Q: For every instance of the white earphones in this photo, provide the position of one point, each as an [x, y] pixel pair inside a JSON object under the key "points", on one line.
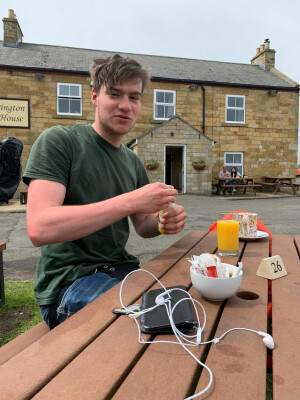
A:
{"points": [[184, 340], [267, 339], [160, 298]]}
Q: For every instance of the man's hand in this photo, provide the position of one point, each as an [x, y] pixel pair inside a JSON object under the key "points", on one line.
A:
{"points": [[152, 198], [174, 220]]}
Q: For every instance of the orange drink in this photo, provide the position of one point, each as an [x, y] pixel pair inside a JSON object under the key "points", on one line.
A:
{"points": [[228, 235]]}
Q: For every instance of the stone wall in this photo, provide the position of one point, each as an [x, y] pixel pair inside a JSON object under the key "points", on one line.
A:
{"points": [[43, 105], [198, 147]]}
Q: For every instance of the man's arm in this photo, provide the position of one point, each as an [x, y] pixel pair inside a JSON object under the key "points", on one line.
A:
{"points": [[49, 221]]}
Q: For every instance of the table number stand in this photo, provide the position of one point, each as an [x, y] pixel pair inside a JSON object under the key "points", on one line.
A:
{"points": [[271, 268]]}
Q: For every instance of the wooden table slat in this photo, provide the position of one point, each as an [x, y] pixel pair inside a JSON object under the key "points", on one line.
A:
{"points": [[240, 358], [286, 321]]}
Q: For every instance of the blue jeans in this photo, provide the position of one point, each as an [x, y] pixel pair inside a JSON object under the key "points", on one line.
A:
{"points": [[76, 296]]}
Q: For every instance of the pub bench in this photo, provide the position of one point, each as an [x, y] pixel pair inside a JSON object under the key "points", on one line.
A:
{"points": [[23, 197], [2, 293], [296, 186], [253, 187]]}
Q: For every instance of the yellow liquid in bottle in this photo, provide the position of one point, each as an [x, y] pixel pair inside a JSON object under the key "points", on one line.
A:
{"points": [[160, 214]]}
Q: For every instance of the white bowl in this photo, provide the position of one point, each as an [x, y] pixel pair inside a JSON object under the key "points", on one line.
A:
{"points": [[216, 289]]}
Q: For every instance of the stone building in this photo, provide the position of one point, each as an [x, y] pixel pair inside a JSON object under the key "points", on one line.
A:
{"points": [[244, 115]]}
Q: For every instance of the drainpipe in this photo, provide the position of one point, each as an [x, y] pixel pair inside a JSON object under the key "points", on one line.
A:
{"points": [[203, 109]]}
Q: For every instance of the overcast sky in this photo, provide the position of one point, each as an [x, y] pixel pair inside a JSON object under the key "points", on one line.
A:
{"points": [[213, 30]]}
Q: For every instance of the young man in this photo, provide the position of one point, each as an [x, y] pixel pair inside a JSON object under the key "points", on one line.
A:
{"points": [[83, 186]]}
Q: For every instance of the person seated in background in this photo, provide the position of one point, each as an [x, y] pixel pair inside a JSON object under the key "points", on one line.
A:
{"points": [[235, 174], [223, 174]]}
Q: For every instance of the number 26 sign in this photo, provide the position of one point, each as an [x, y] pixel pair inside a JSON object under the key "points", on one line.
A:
{"points": [[271, 268]]}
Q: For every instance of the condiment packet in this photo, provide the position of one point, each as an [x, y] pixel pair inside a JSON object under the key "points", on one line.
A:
{"points": [[238, 270], [212, 271], [206, 264]]}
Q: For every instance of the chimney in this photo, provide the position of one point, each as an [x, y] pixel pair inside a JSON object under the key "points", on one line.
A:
{"points": [[12, 31], [264, 55]]}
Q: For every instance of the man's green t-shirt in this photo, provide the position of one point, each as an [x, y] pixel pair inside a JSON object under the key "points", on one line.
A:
{"points": [[92, 170]]}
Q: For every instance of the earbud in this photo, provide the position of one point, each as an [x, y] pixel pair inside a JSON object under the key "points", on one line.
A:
{"points": [[160, 298], [267, 339]]}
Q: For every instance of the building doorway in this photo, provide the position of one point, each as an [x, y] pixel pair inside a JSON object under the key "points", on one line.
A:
{"points": [[175, 166]]}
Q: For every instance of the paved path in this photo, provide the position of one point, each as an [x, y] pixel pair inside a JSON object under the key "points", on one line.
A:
{"points": [[281, 214]]}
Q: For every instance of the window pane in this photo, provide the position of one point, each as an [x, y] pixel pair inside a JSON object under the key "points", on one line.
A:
{"points": [[169, 111], [159, 112], [229, 159], [168, 97], [230, 115], [239, 101], [74, 91], [231, 101], [239, 115], [239, 169], [63, 105], [160, 98], [237, 158], [63, 90], [75, 106]]}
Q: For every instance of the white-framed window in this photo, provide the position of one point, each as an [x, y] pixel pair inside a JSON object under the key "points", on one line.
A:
{"points": [[235, 109], [234, 159], [69, 100], [164, 104]]}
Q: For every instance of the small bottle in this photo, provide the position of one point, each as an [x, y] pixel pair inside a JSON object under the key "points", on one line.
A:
{"points": [[160, 214]]}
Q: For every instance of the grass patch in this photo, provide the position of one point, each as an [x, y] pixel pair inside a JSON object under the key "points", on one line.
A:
{"points": [[20, 311]]}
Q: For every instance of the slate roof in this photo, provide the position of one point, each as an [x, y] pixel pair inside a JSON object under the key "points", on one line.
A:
{"points": [[75, 60]]}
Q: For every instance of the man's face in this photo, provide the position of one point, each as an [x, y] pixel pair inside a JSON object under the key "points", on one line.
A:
{"points": [[117, 109], [224, 169]]}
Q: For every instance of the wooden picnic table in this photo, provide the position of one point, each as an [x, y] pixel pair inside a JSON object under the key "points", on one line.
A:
{"points": [[246, 182], [96, 355], [279, 182]]}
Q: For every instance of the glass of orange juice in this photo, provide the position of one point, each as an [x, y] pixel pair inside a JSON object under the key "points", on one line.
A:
{"points": [[228, 233]]}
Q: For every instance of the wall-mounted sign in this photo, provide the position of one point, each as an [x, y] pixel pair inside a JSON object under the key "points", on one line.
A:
{"points": [[14, 113]]}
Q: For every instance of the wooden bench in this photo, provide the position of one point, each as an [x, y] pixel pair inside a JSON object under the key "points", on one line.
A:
{"points": [[254, 187], [23, 197], [25, 339], [279, 183], [296, 186], [267, 183], [2, 292]]}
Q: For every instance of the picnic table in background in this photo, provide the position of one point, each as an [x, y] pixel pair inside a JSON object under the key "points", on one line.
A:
{"points": [[246, 182], [96, 354], [279, 182]]}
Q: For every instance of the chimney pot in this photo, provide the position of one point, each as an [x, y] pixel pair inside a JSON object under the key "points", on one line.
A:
{"points": [[262, 48], [267, 44], [11, 14]]}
